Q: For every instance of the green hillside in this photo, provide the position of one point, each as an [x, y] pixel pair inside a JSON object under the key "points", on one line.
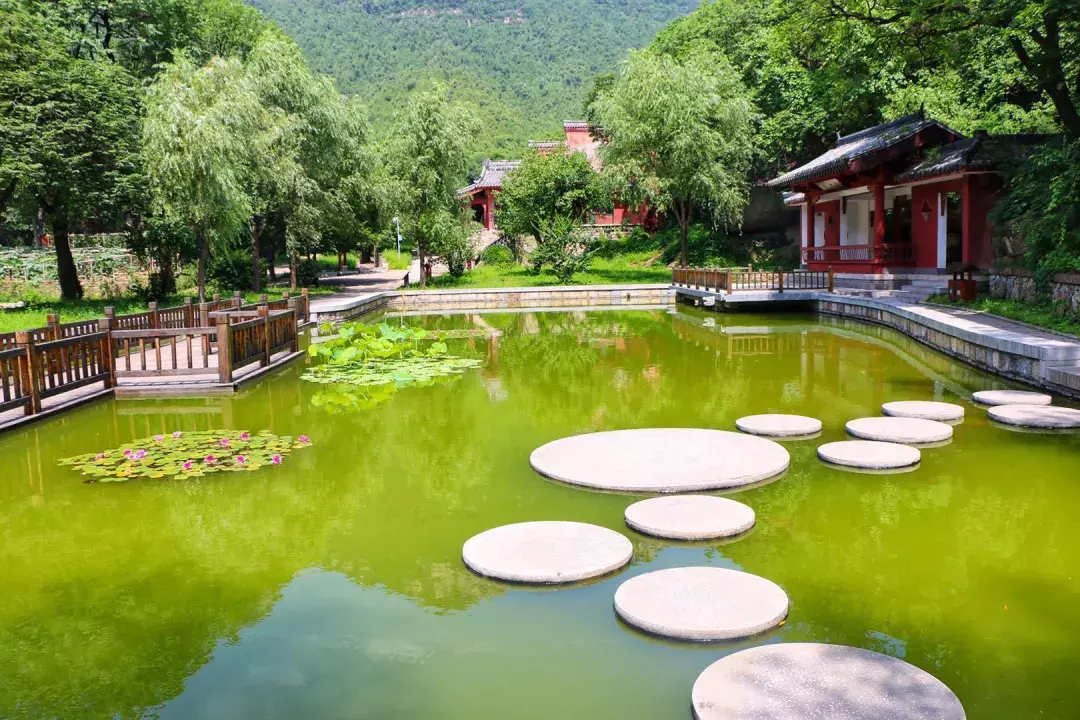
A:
{"points": [[525, 64]]}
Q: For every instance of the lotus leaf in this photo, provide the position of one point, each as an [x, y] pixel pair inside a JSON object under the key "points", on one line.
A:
{"points": [[186, 454]]}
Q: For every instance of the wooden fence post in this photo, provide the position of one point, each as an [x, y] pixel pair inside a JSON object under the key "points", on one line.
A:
{"points": [[204, 321], [30, 379], [52, 320], [306, 304], [262, 299], [295, 309], [830, 279], [216, 297], [155, 317], [224, 349], [105, 326], [727, 282], [189, 313], [264, 313], [238, 299]]}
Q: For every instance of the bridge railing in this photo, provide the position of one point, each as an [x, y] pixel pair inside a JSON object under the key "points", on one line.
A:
{"points": [[728, 280]]}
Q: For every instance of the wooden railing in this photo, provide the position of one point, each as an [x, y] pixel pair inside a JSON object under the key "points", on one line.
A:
{"points": [[42, 362], [880, 254], [728, 280]]}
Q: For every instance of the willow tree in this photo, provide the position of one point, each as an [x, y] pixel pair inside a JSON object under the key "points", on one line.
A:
{"points": [[313, 141], [679, 135], [197, 146], [430, 155]]}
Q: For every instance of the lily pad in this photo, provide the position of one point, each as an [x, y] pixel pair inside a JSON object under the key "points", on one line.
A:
{"points": [[186, 454]]}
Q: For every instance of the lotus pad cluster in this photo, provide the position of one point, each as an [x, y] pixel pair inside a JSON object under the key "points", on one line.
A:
{"points": [[183, 454]]}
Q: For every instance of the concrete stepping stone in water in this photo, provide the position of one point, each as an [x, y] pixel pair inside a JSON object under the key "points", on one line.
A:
{"points": [[661, 460], [806, 681], [869, 454], [701, 603], [1011, 397], [779, 425], [899, 430], [547, 552], [924, 410], [1036, 416], [690, 517]]}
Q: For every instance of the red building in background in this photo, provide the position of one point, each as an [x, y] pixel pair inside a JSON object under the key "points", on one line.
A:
{"points": [[909, 195], [482, 194]]}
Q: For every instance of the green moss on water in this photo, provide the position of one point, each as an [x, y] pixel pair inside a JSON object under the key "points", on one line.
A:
{"points": [[332, 585]]}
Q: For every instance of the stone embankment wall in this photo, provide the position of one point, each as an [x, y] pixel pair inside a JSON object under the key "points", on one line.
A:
{"points": [[1028, 364], [1019, 284], [443, 301]]}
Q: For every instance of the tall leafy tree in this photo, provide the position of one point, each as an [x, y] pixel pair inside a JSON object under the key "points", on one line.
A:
{"points": [[313, 140], [197, 151], [680, 135], [430, 154], [548, 186], [69, 133]]}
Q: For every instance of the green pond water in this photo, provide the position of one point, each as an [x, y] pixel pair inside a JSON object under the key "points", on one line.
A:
{"points": [[332, 586]]}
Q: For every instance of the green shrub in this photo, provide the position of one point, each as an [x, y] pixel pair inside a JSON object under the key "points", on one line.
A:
{"points": [[497, 255], [231, 270], [563, 247], [307, 273]]}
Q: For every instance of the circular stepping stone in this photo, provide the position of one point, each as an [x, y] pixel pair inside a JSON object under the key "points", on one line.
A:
{"points": [[924, 410], [869, 455], [801, 681], [1011, 397], [546, 552], [899, 430], [701, 603], [776, 425], [1036, 416], [690, 517], [661, 460]]}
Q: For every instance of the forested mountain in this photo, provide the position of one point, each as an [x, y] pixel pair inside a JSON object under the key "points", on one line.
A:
{"points": [[526, 65]]}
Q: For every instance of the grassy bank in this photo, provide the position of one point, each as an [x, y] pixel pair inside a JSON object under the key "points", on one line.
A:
{"points": [[34, 314], [629, 268], [1039, 314]]}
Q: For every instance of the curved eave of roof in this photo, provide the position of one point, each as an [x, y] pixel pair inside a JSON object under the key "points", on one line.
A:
{"points": [[491, 176], [855, 146]]}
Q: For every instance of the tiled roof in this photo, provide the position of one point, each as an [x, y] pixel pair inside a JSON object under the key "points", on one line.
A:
{"points": [[491, 175], [851, 147], [978, 153], [575, 125], [546, 144], [794, 198]]}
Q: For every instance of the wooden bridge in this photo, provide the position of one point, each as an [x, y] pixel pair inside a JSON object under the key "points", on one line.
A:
{"points": [[194, 348], [730, 280]]}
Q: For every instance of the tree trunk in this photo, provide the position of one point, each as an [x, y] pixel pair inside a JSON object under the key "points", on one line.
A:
{"points": [[256, 254], [340, 262], [70, 287], [204, 252], [423, 263], [684, 222], [292, 271], [39, 225]]}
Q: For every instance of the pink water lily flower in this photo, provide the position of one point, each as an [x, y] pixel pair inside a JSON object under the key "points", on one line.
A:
{"points": [[244, 436], [99, 456], [177, 433], [240, 459], [159, 438], [127, 452], [275, 459], [209, 459], [225, 442], [187, 465], [139, 454], [304, 439]]}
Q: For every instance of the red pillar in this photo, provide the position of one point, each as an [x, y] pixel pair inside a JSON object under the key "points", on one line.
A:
{"points": [[966, 196], [879, 214], [810, 227], [491, 211]]}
